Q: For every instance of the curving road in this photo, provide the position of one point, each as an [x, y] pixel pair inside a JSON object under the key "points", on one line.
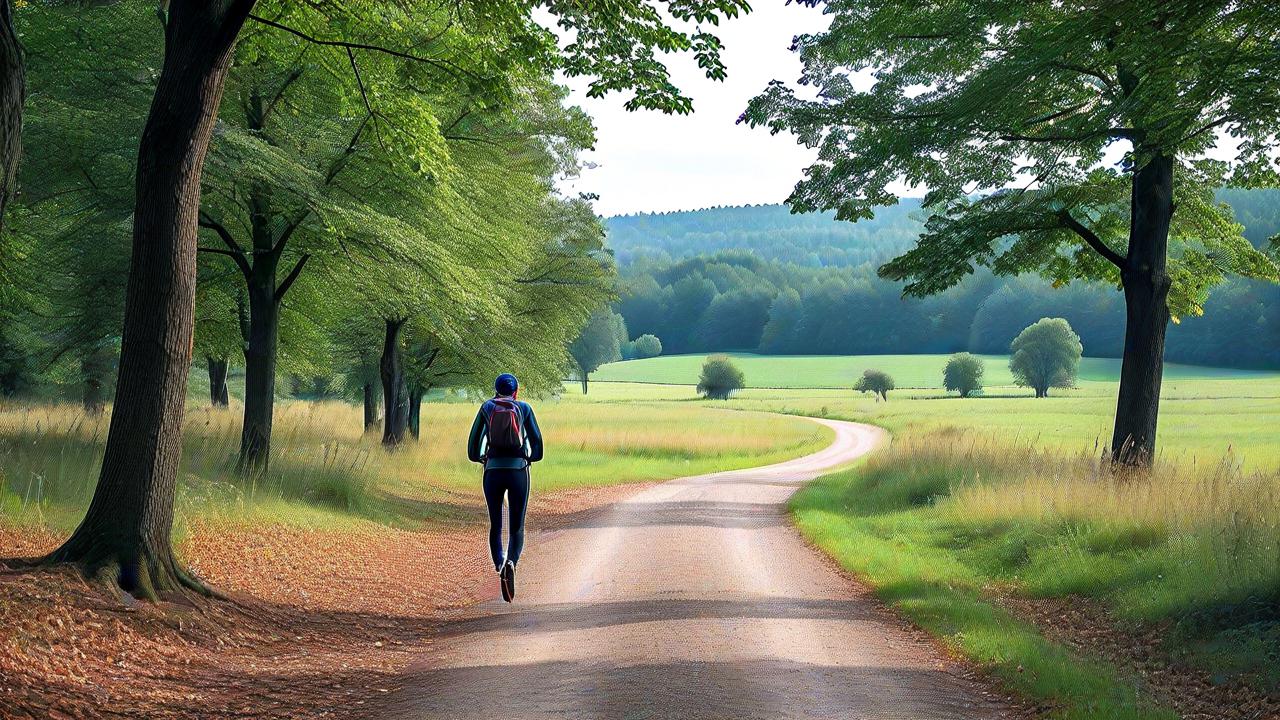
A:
{"points": [[692, 599]]}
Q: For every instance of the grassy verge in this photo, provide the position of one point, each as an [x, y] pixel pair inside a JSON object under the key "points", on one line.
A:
{"points": [[940, 523], [326, 472]]}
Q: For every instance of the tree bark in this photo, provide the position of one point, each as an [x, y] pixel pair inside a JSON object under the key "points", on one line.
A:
{"points": [[370, 407], [126, 533], [94, 369], [260, 365], [395, 400], [1146, 290], [218, 395], [416, 392], [13, 91], [582, 375]]}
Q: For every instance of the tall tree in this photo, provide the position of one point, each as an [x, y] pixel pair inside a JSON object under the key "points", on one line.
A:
{"points": [[12, 95], [127, 528], [129, 521], [1010, 113]]}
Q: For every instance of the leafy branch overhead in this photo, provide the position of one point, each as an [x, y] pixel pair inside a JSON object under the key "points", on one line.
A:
{"points": [[1024, 122]]}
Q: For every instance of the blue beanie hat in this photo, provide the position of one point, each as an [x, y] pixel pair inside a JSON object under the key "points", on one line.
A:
{"points": [[506, 384]]}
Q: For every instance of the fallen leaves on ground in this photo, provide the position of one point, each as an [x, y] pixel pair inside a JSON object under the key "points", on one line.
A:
{"points": [[315, 622]]}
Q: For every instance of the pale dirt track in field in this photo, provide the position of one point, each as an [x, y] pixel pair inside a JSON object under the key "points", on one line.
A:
{"points": [[692, 599]]}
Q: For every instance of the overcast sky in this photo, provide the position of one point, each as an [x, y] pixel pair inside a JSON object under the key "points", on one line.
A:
{"points": [[648, 161]]}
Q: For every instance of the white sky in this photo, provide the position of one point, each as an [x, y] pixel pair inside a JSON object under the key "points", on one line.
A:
{"points": [[648, 161]]}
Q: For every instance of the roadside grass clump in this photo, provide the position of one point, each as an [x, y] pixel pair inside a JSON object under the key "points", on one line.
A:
{"points": [[943, 523]]}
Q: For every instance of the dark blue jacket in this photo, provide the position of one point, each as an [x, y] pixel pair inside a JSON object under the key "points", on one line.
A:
{"points": [[477, 443]]}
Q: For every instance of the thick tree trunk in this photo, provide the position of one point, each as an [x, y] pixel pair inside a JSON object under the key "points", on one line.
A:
{"points": [[260, 367], [13, 88], [94, 368], [582, 375], [218, 394], [395, 400], [1146, 291], [126, 533], [370, 407]]}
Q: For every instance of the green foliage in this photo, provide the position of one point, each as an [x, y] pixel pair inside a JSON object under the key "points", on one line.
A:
{"points": [[1005, 113], [826, 307], [720, 378], [963, 374], [597, 343], [1046, 354], [878, 382], [646, 346]]}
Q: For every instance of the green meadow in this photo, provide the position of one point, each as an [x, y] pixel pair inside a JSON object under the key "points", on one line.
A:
{"points": [[840, 371]]}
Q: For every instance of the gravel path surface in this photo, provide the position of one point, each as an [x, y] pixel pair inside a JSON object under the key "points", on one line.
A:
{"points": [[692, 599]]}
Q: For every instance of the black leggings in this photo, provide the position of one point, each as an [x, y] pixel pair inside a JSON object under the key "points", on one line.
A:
{"points": [[514, 484]]}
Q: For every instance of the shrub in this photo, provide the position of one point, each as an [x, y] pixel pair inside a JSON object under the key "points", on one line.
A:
{"points": [[720, 378], [875, 381], [646, 346], [963, 374], [1046, 354]]}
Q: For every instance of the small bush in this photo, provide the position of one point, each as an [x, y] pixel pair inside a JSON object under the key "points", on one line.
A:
{"points": [[720, 378], [963, 374], [875, 381]]}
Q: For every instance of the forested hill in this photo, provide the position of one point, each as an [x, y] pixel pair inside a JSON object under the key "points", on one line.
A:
{"points": [[771, 232], [759, 278]]}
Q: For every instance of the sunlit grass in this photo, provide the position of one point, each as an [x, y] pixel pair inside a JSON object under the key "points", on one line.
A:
{"points": [[324, 467], [940, 518], [1201, 421], [841, 371]]}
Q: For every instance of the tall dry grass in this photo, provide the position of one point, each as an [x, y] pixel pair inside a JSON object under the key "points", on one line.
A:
{"points": [[50, 455], [1185, 537]]}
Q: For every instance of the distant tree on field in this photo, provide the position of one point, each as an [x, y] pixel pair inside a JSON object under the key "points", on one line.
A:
{"points": [[963, 374], [646, 346], [875, 381], [1046, 354], [597, 344], [720, 378]]}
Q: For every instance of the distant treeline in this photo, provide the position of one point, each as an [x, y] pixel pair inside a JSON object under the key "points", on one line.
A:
{"points": [[760, 278]]}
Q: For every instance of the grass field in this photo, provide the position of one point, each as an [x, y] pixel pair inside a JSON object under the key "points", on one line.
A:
{"points": [[841, 371], [324, 470], [1202, 421]]}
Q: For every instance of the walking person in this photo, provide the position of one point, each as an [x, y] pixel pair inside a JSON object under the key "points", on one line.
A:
{"points": [[506, 439]]}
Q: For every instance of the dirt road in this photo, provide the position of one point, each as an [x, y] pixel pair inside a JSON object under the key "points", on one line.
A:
{"points": [[692, 599]]}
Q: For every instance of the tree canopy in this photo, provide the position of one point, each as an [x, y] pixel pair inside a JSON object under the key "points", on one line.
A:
{"points": [[963, 374], [1046, 354]]}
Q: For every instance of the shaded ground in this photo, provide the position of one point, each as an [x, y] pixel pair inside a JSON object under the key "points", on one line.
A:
{"points": [[320, 621], [1086, 626]]}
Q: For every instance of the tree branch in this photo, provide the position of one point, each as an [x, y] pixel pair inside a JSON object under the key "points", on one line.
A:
{"points": [[293, 76], [448, 67], [1091, 239], [288, 280], [1118, 133], [234, 251]]}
